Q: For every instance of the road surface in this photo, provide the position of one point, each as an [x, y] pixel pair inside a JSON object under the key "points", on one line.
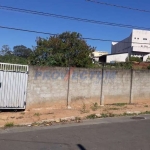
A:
{"points": [[101, 134]]}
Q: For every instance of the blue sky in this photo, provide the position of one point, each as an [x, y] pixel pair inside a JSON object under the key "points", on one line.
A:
{"points": [[75, 8]]}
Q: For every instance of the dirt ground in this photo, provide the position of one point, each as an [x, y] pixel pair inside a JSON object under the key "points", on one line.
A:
{"points": [[141, 65], [41, 114]]}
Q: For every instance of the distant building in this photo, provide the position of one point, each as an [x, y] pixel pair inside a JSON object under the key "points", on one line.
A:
{"points": [[120, 57], [138, 41], [137, 44], [97, 54]]}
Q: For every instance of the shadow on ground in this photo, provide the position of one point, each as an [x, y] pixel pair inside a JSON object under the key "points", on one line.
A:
{"points": [[80, 147]]}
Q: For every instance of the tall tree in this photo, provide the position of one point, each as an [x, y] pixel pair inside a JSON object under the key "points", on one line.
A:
{"points": [[22, 51], [5, 50], [66, 49], [8, 56]]}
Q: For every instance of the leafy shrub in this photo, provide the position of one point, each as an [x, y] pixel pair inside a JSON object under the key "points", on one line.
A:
{"points": [[148, 59], [132, 58], [148, 67], [9, 124], [94, 106], [92, 116], [37, 114], [84, 109], [119, 104]]}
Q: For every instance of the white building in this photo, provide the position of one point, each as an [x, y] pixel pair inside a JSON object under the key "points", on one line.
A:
{"points": [[120, 57], [137, 44], [97, 54], [138, 41]]}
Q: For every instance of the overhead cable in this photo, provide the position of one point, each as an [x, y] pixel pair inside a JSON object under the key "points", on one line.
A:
{"points": [[119, 6], [51, 34], [72, 18]]}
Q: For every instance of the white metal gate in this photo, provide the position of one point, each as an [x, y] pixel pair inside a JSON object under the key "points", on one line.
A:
{"points": [[13, 86]]}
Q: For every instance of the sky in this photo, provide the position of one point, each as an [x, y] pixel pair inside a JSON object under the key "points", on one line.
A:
{"points": [[72, 8]]}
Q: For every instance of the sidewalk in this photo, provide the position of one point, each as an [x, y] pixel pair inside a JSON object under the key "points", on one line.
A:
{"points": [[44, 114]]}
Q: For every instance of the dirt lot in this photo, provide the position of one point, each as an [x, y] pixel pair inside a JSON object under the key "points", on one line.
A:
{"points": [[47, 113]]}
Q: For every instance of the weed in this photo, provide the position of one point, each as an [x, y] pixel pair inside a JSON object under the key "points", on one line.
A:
{"points": [[94, 106], [9, 124], [20, 117], [146, 106], [23, 113], [92, 116], [111, 115], [148, 67], [37, 114], [104, 115], [125, 114], [119, 104], [83, 109], [128, 114], [113, 108], [35, 124], [77, 118], [147, 112], [50, 113]]}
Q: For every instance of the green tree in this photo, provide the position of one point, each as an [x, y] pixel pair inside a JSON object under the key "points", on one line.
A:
{"points": [[148, 59], [8, 56], [133, 58], [13, 59], [66, 49], [5, 50], [22, 51]]}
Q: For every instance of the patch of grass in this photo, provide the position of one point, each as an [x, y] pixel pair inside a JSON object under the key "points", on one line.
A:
{"points": [[23, 113], [20, 117], [113, 108], [9, 124], [77, 118], [94, 106], [37, 114], [50, 113], [92, 116], [146, 106], [111, 115], [146, 112], [104, 115], [128, 114], [148, 67], [119, 104], [84, 109], [35, 124]]}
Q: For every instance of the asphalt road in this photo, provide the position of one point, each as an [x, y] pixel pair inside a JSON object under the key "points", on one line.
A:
{"points": [[107, 134]]}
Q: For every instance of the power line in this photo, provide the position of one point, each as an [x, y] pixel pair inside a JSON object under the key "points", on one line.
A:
{"points": [[25, 30], [71, 18], [47, 33], [119, 6]]}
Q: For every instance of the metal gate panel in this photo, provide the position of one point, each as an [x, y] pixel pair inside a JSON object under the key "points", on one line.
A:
{"points": [[13, 86]]}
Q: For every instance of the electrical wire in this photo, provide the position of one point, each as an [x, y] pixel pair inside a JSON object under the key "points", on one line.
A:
{"points": [[119, 6], [72, 18], [51, 34]]}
